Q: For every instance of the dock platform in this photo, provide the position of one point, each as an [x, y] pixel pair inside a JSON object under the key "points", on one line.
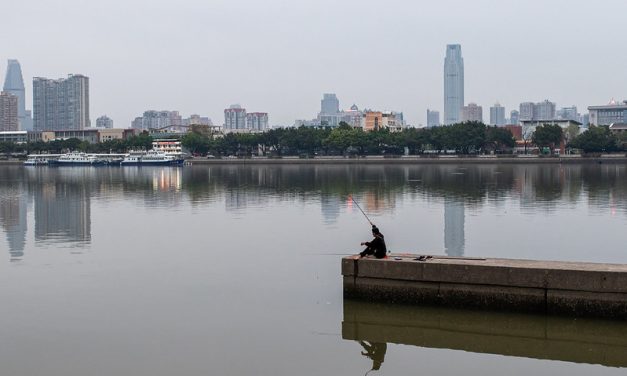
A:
{"points": [[552, 287]]}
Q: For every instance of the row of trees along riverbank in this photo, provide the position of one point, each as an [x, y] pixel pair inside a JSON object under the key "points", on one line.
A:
{"points": [[462, 138]]}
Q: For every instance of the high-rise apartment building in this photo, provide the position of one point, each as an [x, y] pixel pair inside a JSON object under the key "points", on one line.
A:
{"points": [[14, 84], [544, 110], [234, 118], [568, 113], [514, 117], [497, 115], [527, 111], [257, 121], [104, 122], [157, 119], [8, 112], [61, 104], [472, 112], [433, 118], [453, 83]]}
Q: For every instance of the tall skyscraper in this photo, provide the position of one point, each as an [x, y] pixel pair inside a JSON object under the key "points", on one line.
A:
{"points": [[472, 112], [514, 117], [8, 112], [234, 118], [497, 115], [433, 118], [329, 105], [453, 84], [61, 104], [14, 84]]}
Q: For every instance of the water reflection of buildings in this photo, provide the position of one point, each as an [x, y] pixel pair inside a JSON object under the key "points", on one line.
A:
{"points": [[62, 212], [330, 207], [13, 202], [454, 237]]}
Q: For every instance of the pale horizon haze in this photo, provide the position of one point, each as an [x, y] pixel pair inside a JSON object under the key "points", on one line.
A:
{"points": [[280, 56]]}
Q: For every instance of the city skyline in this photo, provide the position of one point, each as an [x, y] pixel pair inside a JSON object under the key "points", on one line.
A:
{"points": [[287, 82]]}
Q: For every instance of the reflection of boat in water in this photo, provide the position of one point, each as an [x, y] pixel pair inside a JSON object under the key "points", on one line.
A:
{"points": [[530, 336], [40, 159], [150, 158]]}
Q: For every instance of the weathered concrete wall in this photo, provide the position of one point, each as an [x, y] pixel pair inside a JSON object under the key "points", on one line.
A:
{"points": [[581, 289], [531, 336]]}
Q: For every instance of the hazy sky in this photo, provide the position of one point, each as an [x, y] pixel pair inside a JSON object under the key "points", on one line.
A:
{"points": [[279, 56]]}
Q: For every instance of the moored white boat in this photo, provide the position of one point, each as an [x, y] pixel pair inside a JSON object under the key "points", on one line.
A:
{"points": [[150, 157], [77, 159], [39, 159]]}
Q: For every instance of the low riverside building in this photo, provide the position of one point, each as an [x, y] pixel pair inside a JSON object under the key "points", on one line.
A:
{"points": [[18, 137], [115, 134], [611, 113], [90, 135], [618, 128], [169, 146], [526, 124]]}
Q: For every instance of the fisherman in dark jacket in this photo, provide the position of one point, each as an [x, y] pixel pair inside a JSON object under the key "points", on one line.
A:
{"points": [[376, 246]]}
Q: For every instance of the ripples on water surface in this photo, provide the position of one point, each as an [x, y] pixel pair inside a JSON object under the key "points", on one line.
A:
{"points": [[234, 270]]}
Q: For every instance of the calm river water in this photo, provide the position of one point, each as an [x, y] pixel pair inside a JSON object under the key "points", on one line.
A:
{"points": [[235, 270]]}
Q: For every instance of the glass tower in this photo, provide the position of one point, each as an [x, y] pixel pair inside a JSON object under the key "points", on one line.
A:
{"points": [[453, 83], [14, 84]]}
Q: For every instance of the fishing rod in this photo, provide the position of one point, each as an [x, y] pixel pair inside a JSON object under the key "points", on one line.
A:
{"points": [[362, 212]]}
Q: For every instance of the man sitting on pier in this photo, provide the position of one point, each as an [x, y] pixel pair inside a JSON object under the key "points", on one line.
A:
{"points": [[376, 246]]}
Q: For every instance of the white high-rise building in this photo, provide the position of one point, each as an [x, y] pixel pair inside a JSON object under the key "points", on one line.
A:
{"points": [[497, 115], [257, 121], [453, 84], [234, 118]]}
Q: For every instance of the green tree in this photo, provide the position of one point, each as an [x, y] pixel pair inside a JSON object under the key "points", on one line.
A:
{"points": [[196, 143], [596, 140], [547, 135], [498, 138]]}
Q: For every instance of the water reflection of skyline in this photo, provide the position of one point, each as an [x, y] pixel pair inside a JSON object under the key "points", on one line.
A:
{"points": [[62, 197]]}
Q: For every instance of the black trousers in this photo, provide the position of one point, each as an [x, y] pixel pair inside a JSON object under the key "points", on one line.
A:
{"points": [[372, 251]]}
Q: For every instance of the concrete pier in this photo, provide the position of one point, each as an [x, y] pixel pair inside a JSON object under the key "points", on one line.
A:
{"points": [[575, 340], [563, 288]]}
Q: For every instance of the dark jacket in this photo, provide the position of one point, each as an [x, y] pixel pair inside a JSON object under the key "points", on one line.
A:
{"points": [[378, 246]]}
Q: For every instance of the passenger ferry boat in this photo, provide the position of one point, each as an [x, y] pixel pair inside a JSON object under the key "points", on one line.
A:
{"points": [[40, 159], [77, 159], [150, 157]]}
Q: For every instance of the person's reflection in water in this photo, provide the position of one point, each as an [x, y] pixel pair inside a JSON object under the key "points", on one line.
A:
{"points": [[375, 351]]}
